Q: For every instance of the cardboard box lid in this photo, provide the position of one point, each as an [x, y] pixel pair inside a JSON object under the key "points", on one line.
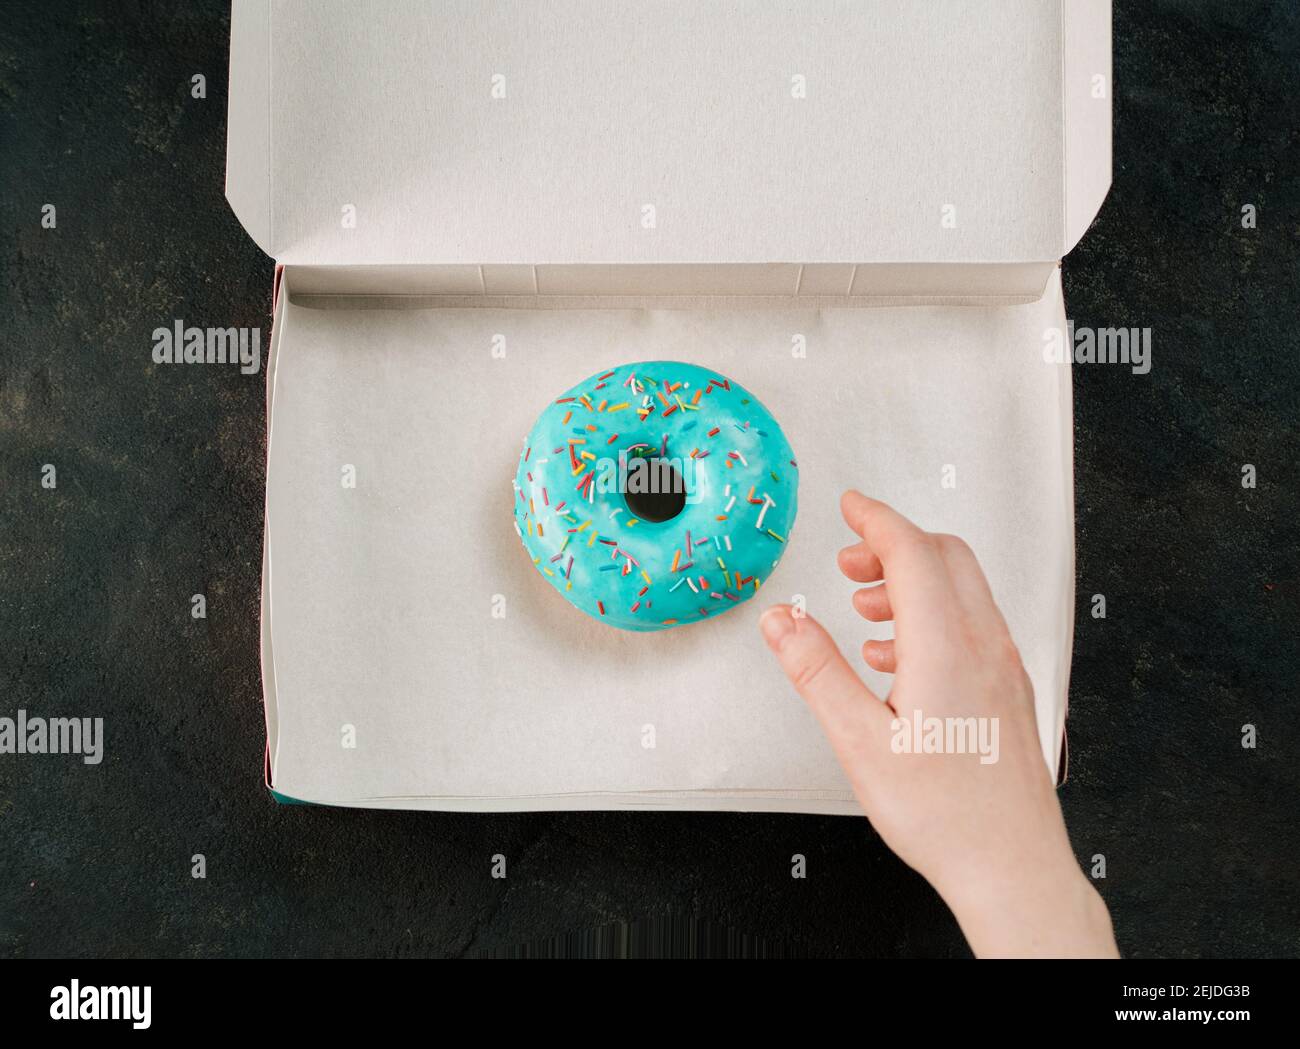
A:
{"points": [[464, 133]]}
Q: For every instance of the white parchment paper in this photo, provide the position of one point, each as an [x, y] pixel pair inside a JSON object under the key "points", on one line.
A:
{"points": [[381, 596]]}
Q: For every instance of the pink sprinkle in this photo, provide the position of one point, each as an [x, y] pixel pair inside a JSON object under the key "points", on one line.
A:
{"points": [[546, 501]]}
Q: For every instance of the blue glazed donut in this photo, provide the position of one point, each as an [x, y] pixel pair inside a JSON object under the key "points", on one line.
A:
{"points": [[655, 494]]}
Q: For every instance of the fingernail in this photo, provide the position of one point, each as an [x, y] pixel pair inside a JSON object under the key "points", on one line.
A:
{"points": [[776, 623]]}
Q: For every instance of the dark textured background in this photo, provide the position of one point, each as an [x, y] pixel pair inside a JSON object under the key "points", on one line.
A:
{"points": [[160, 496]]}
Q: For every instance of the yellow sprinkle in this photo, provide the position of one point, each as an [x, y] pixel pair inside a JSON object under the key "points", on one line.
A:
{"points": [[721, 564], [769, 532], [630, 521], [583, 527], [530, 527], [568, 585], [645, 577], [616, 407], [548, 572], [592, 539], [588, 455]]}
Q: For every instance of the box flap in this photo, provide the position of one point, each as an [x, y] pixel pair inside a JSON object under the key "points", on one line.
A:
{"points": [[1085, 96], [248, 121], [576, 132]]}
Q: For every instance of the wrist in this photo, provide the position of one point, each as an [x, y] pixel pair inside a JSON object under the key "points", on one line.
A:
{"points": [[1054, 914]]}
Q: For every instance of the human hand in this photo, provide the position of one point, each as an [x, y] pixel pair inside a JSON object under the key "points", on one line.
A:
{"points": [[989, 836]]}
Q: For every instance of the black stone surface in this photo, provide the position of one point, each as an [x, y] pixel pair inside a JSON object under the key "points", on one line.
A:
{"points": [[160, 484]]}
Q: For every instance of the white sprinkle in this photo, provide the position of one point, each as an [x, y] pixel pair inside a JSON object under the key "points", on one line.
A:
{"points": [[727, 538], [729, 505], [767, 502], [691, 584]]}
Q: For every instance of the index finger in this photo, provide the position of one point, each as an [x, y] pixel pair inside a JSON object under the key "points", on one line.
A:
{"points": [[919, 583]]}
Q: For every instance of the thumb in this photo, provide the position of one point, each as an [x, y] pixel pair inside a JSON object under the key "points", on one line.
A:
{"points": [[851, 715]]}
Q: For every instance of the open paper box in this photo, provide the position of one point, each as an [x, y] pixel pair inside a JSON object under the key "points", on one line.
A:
{"points": [[856, 210]]}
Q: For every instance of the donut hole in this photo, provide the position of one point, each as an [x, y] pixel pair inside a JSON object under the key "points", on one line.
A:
{"points": [[655, 490]]}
